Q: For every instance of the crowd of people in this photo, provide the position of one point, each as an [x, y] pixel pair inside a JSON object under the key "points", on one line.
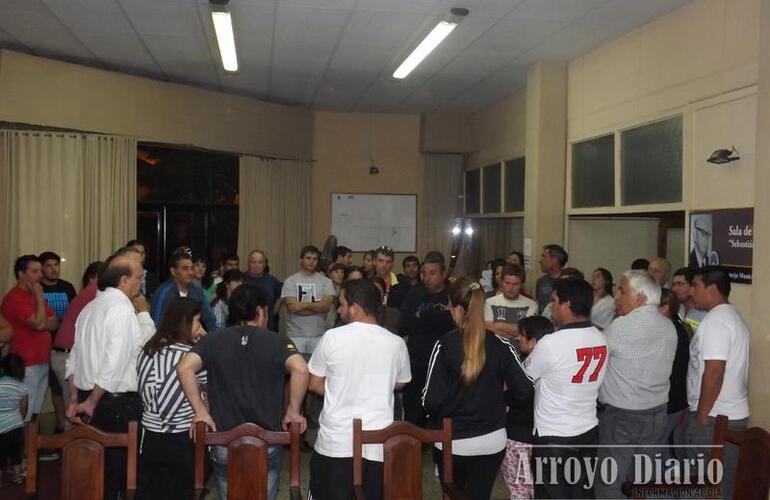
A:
{"points": [[584, 371]]}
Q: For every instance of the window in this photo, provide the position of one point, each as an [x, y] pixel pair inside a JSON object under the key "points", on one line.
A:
{"points": [[491, 176], [186, 198], [473, 191], [593, 173], [651, 162], [514, 185]]}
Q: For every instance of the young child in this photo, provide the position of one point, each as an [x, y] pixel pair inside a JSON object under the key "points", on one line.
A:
{"points": [[13, 409], [517, 475]]}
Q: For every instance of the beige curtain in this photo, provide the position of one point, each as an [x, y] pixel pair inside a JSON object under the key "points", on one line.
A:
{"points": [[69, 193], [442, 187], [274, 214]]}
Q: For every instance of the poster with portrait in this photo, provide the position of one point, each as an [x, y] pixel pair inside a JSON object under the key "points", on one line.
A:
{"points": [[723, 238]]}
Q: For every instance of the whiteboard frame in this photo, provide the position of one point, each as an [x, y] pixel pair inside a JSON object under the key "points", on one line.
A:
{"points": [[416, 216]]}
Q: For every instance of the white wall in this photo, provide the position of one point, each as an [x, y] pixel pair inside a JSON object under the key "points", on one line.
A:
{"points": [[610, 243]]}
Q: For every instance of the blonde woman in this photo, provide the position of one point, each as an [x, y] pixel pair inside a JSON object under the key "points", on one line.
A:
{"points": [[468, 369]]}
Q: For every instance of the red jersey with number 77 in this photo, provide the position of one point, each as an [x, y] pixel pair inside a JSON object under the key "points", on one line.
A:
{"points": [[568, 368]]}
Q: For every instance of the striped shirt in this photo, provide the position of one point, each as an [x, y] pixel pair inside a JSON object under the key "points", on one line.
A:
{"points": [[641, 347], [11, 393], [166, 409]]}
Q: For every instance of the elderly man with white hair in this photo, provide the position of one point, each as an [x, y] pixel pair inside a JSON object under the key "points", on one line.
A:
{"points": [[641, 344]]}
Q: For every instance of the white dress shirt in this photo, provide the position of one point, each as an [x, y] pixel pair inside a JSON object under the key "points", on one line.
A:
{"points": [[108, 337]]}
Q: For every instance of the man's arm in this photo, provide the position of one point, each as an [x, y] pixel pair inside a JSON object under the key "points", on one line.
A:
{"points": [[40, 319], [505, 330], [6, 331], [186, 369], [320, 306], [317, 384], [710, 386], [75, 410], [24, 406], [298, 382]]}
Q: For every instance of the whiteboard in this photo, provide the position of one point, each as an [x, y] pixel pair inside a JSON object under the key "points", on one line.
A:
{"points": [[364, 222]]}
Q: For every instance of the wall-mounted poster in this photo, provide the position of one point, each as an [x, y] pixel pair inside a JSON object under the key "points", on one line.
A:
{"points": [[723, 238]]}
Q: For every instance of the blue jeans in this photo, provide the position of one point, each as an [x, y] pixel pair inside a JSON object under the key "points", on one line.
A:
{"points": [[219, 464]]}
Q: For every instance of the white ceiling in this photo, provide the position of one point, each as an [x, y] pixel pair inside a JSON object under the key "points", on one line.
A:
{"points": [[326, 54]]}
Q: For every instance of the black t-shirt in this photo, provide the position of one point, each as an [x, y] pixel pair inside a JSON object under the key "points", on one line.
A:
{"points": [[399, 292], [59, 296], [677, 392], [425, 317], [543, 290], [246, 368]]}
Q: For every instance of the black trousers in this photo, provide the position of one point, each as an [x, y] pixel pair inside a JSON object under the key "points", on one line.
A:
{"points": [[412, 399], [112, 414], [331, 478], [166, 466], [580, 447], [474, 475]]}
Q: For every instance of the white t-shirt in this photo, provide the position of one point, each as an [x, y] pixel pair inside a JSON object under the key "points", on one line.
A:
{"points": [[362, 364], [567, 367], [498, 308], [722, 335]]}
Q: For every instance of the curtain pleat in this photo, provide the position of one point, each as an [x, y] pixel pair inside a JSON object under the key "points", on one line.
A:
{"points": [[73, 194], [440, 204], [274, 211]]}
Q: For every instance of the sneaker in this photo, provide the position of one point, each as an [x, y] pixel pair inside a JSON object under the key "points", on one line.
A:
{"points": [[48, 457]]}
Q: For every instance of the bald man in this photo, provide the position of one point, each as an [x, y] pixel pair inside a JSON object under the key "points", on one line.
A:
{"points": [[101, 369], [660, 271]]}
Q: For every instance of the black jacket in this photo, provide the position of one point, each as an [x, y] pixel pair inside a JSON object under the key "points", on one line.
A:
{"points": [[479, 408]]}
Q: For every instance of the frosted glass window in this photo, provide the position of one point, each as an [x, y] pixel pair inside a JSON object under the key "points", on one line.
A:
{"points": [[472, 191], [651, 159], [514, 185], [491, 177], [593, 173]]}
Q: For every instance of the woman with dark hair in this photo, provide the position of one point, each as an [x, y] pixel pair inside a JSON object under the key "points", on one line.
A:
{"points": [[521, 418], [367, 264], [677, 391], [468, 369], [354, 273], [230, 281], [14, 402], [497, 276], [603, 310], [166, 453]]}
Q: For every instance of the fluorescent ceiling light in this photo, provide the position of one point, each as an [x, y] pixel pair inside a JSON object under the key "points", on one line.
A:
{"points": [[430, 42], [223, 26]]}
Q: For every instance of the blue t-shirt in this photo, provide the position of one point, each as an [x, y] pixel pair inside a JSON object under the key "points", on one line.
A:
{"points": [[11, 393]]}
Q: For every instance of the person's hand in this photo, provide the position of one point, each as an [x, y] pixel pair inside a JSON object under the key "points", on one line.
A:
{"points": [[205, 418], [34, 288], [140, 304], [293, 417], [80, 413], [295, 306]]}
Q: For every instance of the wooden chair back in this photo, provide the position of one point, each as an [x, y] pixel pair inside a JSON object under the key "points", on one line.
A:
{"points": [[82, 467], [402, 453], [752, 478], [247, 465]]}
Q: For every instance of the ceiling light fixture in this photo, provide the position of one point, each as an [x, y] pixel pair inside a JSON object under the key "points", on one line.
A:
{"points": [[430, 42], [223, 27]]}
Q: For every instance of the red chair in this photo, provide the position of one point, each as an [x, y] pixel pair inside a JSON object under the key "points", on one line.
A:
{"points": [[247, 446], [82, 468], [402, 466]]}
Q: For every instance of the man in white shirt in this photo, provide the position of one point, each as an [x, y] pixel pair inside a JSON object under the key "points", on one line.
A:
{"points": [[641, 344], [718, 375], [567, 367], [101, 368], [503, 311], [355, 368]]}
